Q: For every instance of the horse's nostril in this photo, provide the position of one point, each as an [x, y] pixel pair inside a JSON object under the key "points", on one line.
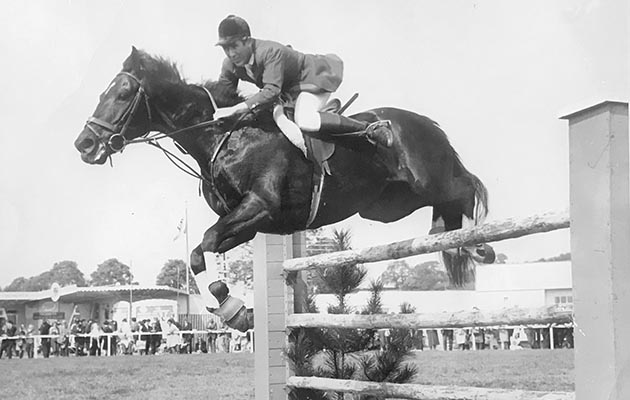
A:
{"points": [[86, 145]]}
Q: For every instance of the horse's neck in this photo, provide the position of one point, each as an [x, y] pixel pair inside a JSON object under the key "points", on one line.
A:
{"points": [[186, 106]]}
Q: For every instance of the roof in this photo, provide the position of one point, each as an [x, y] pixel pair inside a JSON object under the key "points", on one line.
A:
{"points": [[75, 294], [594, 107]]}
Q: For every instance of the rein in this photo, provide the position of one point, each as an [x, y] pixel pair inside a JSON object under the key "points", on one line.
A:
{"points": [[117, 141]]}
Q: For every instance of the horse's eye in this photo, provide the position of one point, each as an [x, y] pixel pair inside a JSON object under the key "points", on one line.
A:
{"points": [[124, 94]]}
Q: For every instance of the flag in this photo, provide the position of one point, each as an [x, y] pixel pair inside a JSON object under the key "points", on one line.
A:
{"points": [[181, 229]]}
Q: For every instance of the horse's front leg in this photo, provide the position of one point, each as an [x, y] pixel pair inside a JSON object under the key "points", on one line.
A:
{"points": [[231, 230]]}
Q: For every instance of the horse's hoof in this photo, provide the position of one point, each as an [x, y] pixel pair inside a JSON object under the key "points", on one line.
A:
{"points": [[484, 254], [241, 321], [234, 313], [219, 290]]}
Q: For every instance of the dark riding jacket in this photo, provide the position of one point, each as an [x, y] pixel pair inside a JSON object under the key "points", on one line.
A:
{"points": [[281, 69]]}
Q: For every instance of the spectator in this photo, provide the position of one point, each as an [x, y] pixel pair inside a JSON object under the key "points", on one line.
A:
{"points": [[460, 339], [54, 346], [29, 342], [62, 340], [44, 329], [447, 339], [172, 337], [20, 343], [108, 341], [519, 339], [95, 339], [145, 340], [156, 337], [432, 339], [478, 337], [126, 337], [504, 338], [76, 341], [187, 337], [490, 339], [212, 335], [8, 342]]}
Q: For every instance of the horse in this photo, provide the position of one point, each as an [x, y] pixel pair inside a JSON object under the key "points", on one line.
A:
{"points": [[257, 181]]}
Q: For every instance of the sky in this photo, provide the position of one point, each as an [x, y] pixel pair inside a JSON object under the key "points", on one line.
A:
{"points": [[495, 75]]}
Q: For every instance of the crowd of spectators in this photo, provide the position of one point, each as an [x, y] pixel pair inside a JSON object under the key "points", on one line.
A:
{"points": [[513, 338], [143, 337]]}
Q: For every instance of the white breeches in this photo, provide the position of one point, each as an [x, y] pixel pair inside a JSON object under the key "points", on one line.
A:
{"points": [[307, 106], [306, 117]]}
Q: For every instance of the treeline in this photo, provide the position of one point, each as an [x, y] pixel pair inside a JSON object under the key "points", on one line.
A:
{"points": [[109, 272]]}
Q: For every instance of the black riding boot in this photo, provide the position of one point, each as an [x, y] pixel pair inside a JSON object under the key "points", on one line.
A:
{"points": [[378, 132]]}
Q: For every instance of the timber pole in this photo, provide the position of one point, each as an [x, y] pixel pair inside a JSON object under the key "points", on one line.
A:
{"points": [[486, 233]]}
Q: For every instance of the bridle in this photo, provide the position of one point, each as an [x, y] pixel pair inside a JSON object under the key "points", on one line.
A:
{"points": [[117, 140]]}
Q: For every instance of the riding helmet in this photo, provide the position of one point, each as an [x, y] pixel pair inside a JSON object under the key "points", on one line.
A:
{"points": [[232, 28]]}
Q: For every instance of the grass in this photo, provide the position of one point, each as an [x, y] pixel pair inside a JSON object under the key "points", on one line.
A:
{"points": [[231, 376], [544, 370], [201, 376]]}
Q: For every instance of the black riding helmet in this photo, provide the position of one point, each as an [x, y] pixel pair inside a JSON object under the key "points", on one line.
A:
{"points": [[232, 28]]}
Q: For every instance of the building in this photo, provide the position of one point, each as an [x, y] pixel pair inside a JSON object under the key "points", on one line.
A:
{"points": [[98, 303], [497, 286]]}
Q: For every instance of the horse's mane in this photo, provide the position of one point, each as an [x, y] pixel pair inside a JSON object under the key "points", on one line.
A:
{"points": [[223, 93], [162, 69]]}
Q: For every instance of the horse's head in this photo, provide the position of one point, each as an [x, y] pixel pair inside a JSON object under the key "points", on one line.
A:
{"points": [[122, 114]]}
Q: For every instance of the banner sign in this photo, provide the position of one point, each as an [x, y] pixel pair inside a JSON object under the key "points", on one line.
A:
{"points": [[49, 315]]}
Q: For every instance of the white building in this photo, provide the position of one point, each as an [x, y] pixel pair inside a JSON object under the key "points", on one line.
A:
{"points": [[497, 286]]}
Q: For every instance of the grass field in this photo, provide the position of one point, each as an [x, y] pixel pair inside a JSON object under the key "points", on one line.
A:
{"points": [[231, 376]]}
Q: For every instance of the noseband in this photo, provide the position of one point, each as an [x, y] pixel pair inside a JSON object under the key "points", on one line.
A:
{"points": [[117, 140]]}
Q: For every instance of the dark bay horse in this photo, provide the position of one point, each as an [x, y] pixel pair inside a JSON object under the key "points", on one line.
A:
{"points": [[257, 181]]}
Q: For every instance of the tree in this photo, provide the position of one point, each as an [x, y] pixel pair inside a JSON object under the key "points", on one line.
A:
{"points": [[426, 276], [560, 257], [240, 265], [317, 242], [65, 273], [173, 274], [111, 272], [396, 274], [241, 270], [18, 285], [501, 259]]}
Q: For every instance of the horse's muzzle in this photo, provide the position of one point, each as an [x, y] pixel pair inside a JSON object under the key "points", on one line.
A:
{"points": [[90, 147]]}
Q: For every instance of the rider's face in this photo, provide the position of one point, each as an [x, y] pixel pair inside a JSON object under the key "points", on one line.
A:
{"points": [[239, 51]]}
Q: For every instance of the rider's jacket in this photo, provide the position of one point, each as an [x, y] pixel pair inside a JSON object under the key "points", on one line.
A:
{"points": [[276, 69]]}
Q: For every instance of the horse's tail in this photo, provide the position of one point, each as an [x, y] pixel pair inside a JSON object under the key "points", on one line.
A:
{"points": [[481, 200], [460, 264], [480, 208]]}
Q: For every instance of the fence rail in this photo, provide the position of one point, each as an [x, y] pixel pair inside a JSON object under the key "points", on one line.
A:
{"points": [[422, 392], [491, 232], [463, 319]]}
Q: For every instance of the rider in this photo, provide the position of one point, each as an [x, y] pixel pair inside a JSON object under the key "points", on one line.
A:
{"points": [[280, 70]]}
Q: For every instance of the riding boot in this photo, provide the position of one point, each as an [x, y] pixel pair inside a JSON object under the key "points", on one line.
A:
{"points": [[378, 132]]}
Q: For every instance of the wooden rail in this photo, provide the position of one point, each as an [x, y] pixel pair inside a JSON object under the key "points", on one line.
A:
{"points": [[422, 392], [462, 319], [486, 233]]}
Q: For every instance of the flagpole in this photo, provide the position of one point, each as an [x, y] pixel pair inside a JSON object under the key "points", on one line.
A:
{"points": [[187, 257]]}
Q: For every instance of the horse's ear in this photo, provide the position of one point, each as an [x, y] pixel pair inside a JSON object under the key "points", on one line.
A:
{"points": [[134, 61]]}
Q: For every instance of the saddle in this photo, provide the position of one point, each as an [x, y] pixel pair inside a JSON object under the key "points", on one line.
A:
{"points": [[318, 149]]}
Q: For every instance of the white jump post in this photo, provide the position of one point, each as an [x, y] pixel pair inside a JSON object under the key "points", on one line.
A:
{"points": [[600, 250], [273, 302]]}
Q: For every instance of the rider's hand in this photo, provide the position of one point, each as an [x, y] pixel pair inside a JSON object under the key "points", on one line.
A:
{"points": [[229, 111]]}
